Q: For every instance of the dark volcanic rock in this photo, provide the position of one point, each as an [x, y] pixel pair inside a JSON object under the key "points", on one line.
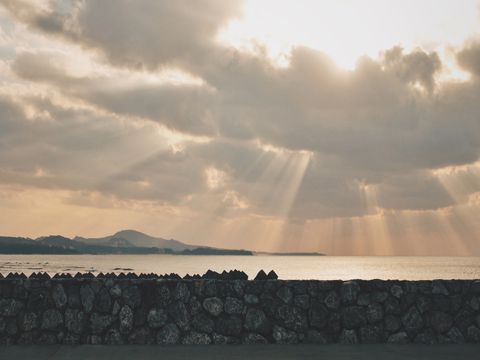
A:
{"points": [[143, 310], [229, 325], [332, 300], [168, 335], [292, 318], [10, 307], [52, 319], [396, 291], [252, 338], [75, 321], [284, 336], [181, 292], [11, 327], [196, 338], [272, 275], [233, 306], [59, 296], [132, 296], [455, 336], [398, 338], [140, 316], [441, 322], [412, 320], [261, 276], [353, 317], [156, 318], [349, 292], [87, 296], [302, 301], [28, 321], [316, 337], [203, 323], [219, 339], [392, 306], [194, 306], [103, 301], [348, 337], [392, 323], [285, 294], [211, 275], [213, 306], [374, 313], [256, 321], [179, 314], [73, 297], [318, 315], [116, 291], [426, 337], [140, 336], [126, 319], [371, 334], [3, 324], [473, 334], [113, 337], [99, 323], [251, 299], [162, 296]]}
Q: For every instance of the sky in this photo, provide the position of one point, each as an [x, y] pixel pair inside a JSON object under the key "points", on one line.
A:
{"points": [[345, 127]]}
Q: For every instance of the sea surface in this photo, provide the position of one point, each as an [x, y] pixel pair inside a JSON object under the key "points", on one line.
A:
{"points": [[287, 267]]}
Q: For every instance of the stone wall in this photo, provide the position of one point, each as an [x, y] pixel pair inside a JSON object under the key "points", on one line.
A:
{"points": [[153, 311]]}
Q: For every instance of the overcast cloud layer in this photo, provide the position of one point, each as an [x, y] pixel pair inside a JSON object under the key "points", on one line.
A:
{"points": [[136, 112]]}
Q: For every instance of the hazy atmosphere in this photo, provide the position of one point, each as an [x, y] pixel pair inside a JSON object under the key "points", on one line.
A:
{"points": [[340, 127]]}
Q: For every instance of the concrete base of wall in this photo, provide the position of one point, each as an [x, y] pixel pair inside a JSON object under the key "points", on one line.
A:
{"points": [[252, 352]]}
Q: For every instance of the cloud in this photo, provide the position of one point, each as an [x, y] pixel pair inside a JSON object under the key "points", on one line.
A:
{"points": [[145, 34], [76, 149], [310, 105], [469, 58], [239, 136], [415, 67]]}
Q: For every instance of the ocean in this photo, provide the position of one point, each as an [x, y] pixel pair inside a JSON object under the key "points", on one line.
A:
{"points": [[287, 267]]}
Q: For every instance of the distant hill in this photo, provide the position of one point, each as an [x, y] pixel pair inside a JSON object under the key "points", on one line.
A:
{"points": [[136, 238], [57, 244], [59, 241], [19, 245], [122, 242]]}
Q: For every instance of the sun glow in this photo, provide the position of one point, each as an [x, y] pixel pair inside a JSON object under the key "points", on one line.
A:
{"points": [[349, 29]]}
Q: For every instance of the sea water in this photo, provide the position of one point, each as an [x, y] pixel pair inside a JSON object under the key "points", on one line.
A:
{"points": [[287, 267]]}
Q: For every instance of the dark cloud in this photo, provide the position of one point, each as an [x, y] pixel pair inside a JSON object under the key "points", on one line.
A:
{"points": [[469, 58], [141, 34], [415, 67], [417, 191], [371, 118], [384, 125], [75, 149]]}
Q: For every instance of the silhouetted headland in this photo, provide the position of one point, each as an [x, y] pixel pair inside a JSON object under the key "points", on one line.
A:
{"points": [[122, 242]]}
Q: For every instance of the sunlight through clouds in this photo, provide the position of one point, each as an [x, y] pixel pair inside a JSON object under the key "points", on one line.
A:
{"points": [[324, 126]]}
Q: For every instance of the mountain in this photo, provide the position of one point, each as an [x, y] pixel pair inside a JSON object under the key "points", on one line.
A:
{"points": [[137, 239], [19, 245], [122, 242], [59, 241]]}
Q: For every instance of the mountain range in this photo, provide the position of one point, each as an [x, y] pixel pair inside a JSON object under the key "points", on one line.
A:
{"points": [[122, 242], [133, 238]]}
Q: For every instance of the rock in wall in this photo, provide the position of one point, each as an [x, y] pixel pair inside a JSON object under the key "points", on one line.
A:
{"points": [[198, 311]]}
